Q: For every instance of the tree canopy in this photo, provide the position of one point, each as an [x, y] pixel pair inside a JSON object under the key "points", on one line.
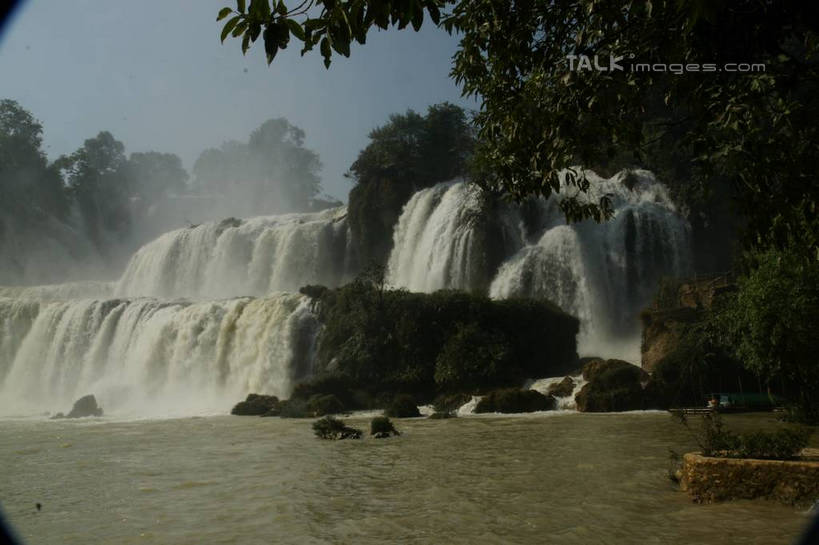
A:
{"points": [[272, 172], [754, 128]]}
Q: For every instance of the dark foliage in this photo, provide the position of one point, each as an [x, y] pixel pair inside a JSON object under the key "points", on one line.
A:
{"points": [[333, 428], [714, 439], [382, 426], [391, 341], [256, 405], [614, 385], [402, 406], [407, 154]]}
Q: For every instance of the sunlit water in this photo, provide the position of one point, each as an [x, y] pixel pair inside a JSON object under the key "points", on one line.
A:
{"points": [[530, 479]]}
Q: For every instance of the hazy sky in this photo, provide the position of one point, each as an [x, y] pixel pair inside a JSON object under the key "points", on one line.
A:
{"points": [[154, 73]]}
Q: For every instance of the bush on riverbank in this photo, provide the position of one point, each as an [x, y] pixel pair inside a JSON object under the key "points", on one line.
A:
{"points": [[715, 440], [377, 343], [382, 427], [257, 405], [333, 428], [513, 400]]}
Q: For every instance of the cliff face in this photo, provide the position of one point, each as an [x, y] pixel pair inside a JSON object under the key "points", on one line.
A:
{"points": [[677, 304]]}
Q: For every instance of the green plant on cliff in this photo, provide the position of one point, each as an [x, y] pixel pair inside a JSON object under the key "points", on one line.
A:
{"points": [[387, 341], [770, 324], [410, 152]]}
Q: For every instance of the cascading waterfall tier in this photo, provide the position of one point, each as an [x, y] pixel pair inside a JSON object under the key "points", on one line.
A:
{"points": [[241, 257], [602, 273], [150, 357]]}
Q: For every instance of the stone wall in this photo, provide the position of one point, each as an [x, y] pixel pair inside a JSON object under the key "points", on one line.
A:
{"points": [[708, 480]]}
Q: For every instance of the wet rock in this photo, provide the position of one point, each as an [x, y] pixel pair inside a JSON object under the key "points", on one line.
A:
{"points": [[613, 385], [563, 388], [513, 400], [84, 406], [257, 405]]}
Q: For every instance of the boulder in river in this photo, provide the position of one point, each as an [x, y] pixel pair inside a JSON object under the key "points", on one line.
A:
{"points": [[382, 427], [402, 406], [564, 388], [514, 400], [613, 385], [84, 406]]}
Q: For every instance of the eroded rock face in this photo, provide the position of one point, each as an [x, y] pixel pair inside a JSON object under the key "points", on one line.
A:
{"points": [[564, 388], [257, 405], [614, 385], [84, 406]]}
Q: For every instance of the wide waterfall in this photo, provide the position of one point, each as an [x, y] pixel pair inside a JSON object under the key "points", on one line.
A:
{"points": [[603, 273], [199, 318], [241, 257], [145, 356]]}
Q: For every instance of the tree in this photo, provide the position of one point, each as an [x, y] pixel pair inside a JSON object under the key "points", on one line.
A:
{"points": [[751, 126], [411, 152], [30, 190], [272, 172], [770, 324], [152, 174], [96, 175]]}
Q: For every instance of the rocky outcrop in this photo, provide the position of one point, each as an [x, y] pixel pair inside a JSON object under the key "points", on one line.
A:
{"points": [[84, 406], [677, 304], [512, 400], [614, 385], [257, 405], [709, 480], [564, 388]]}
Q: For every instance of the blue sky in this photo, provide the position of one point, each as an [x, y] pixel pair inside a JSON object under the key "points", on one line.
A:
{"points": [[155, 74]]}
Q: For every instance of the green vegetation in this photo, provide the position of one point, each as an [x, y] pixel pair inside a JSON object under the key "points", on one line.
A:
{"points": [[257, 405], [407, 154], [402, 406], [377, 343], [333, 428], [381, 426], [770, 323], [514, 400], [714, 439]]}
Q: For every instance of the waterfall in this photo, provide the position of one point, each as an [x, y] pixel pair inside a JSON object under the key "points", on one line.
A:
{"points": [[602, 273], [146, 356], [241, 257]]}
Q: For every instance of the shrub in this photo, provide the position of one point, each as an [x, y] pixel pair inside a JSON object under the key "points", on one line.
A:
{"points": [[381, 426], [256, 405], [438, 415], [402, 406], [714, 439], [614, 385], [294, 408], [333, 428], [512, 400]]}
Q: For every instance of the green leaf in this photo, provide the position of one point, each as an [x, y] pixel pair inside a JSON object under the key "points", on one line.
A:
{"points": [[271, 45], [224, 12], [241, 5], [230, 25], [241, 27], [245, 43], [295, 29]]}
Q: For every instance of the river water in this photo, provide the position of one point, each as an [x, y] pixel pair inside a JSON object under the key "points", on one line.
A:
{"points": [[544, 478]]}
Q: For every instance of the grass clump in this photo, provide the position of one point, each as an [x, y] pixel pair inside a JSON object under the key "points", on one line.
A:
{"points": [[334, 428]]}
